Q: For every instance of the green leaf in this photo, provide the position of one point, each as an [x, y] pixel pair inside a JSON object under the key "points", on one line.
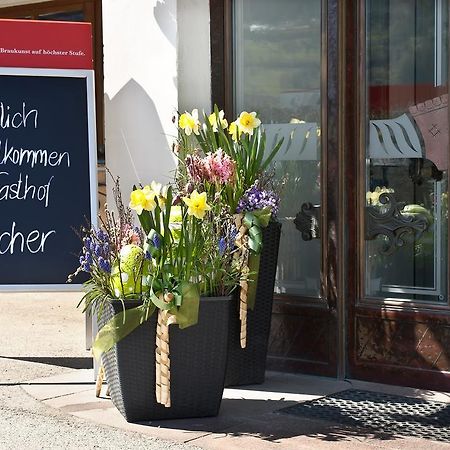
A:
{"points": [[272, 154], [157, 214], [166, 216]]}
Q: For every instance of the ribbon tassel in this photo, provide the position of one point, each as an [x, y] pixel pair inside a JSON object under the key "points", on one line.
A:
{"points": [[162, 354], [242, 255]]}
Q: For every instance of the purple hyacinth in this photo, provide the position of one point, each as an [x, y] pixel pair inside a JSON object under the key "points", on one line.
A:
{"points": [[256, 198], [104, 265], [156, 241], [88, 258], [87, 244], [98, 250], [222, 246], [102, 236], [232, 238], [85, 266]]}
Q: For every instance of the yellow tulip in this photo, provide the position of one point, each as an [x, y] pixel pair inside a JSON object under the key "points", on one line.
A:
{"points": [[189, 122], [247, 122], [197, 204]]}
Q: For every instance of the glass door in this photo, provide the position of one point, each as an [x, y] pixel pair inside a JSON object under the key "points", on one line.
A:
{"points": [[400, 316], [277, 51], [279, 71]]}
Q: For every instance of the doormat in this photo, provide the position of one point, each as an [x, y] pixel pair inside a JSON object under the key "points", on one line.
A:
{"points": [[386, 413]]}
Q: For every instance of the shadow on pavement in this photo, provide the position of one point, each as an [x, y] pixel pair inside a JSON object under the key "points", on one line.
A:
{"points": [[61, 361], [260, 418]]}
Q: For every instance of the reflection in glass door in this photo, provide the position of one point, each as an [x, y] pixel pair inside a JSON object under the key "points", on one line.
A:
{"points": [[407, 147], [277, 52]]}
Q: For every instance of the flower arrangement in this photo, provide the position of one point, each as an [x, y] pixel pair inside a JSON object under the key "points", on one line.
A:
{"points": [[200, 235], [229, 162]]}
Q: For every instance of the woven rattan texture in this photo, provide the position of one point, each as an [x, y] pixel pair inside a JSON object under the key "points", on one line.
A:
{"points": [[390, 414], [198, 362], [247, 366]]}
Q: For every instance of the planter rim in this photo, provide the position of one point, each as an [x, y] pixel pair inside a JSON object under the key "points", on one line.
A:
{"points": [[209, 298]]}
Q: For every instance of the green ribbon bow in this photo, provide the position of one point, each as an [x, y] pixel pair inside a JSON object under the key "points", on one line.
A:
{"points": [[184, 307], [255, 221]]}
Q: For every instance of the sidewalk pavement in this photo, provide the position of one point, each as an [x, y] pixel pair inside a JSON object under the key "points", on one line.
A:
{"points": [[248, 418], [42, 353]]}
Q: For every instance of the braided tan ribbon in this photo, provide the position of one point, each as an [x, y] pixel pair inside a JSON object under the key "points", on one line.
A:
{"points": [[162, 362], [99, 381], [242, 255]]}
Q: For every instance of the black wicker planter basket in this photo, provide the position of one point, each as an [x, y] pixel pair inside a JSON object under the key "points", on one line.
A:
{"points": [[198, 360], [248, 365]]}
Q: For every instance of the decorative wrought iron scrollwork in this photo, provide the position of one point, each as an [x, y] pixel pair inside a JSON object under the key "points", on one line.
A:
{"points": [[389, 220], [307, 221]]}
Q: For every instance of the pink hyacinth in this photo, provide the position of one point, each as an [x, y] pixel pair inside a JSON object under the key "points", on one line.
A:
{"points": [[196, 168], [129, 235], [219, 167]]}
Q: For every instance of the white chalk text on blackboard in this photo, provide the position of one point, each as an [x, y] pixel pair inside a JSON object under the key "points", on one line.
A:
{"points": [[33, 242], [11, 119], [24, 190], [22, 156]]}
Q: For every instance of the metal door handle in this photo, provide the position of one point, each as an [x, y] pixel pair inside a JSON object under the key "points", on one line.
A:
{"points": [[307, 221]]}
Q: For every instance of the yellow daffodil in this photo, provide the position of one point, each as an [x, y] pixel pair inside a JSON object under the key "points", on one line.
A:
{"points": [[197, 204], [213, 120], [235, 131], [247, 122], [189, 122], [141, 199], [160, 192], [156, 187]]}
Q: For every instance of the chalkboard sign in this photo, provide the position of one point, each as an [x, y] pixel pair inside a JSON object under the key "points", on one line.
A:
{"points": [[47, 174]]}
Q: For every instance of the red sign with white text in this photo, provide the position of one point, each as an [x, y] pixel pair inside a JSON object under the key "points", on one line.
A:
{"points": [[45, 44]]}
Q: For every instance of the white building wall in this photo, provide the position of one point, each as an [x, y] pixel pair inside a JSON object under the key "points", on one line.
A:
{"points": [[141, 90], [156, 62]]}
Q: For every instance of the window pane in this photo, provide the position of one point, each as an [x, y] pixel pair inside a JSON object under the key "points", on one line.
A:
{"points": [[70, 16], [277, 48], [407, 149]]}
